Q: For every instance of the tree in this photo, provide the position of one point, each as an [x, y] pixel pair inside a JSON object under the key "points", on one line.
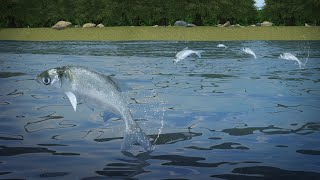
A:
{"points": [[39, 13], [292, 12]]}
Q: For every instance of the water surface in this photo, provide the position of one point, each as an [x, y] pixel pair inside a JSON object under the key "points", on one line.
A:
{"points": [[225, 115]]}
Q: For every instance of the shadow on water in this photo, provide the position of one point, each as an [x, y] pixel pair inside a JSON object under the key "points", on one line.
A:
{"points": [[10, 74], [53, 174], [168, 138], [218, 76], [127, 168], [226, 145], [305, 129], [13, 151], [308, 152], [10, 137], [266, 172]]}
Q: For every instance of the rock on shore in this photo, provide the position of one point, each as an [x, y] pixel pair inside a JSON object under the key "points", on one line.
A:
{"points": [[180, 23], [100, 25], [62, 25], [89, 25], [227, 24], [266, 23]]}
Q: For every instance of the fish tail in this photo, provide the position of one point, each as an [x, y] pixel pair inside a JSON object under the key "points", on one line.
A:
{"points": [[198, 53], [134, 135], [254, 55]]}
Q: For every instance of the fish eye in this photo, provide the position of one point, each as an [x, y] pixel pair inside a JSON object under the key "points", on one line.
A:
{"points": [[46, 80]]}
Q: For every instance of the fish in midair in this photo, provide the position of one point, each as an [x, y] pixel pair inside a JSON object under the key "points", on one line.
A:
{"points": [[222, 46], [291, 57], [185, 53], [96, 91], [249, 51]]}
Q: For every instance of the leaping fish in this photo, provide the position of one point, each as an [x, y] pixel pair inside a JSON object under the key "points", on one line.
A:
{"points": [[222, 46], [95, 90], [249, 51], [185, 53], [289, 56]]}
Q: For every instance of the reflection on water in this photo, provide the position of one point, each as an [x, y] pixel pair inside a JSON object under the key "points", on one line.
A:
{"points": [[225, 115]]}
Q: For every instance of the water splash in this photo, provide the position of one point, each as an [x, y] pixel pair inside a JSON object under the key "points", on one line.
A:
{"points": [[151, 108], [162, 123], [158, 114], [308, 54]]}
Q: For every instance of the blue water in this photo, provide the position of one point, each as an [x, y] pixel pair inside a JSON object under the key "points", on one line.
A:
{"points": [[225, 115]]}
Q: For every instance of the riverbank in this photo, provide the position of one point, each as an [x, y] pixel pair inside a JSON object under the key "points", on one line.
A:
{"points": [[203, 33]]}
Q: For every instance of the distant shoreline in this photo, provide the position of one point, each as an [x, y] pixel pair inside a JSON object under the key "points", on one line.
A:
{"points": [[148, 33]]}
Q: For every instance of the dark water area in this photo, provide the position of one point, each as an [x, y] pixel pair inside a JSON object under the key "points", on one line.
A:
{"points": [[225, 115]]}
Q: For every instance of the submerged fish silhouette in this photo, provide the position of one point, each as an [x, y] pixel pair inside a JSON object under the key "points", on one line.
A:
{"points": [[185, 53], [96, 90]]}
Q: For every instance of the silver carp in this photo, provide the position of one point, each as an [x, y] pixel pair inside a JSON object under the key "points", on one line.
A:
{"points": [[185, 53], [222, 46], [249, 51], [96, 91], [291, 57]]}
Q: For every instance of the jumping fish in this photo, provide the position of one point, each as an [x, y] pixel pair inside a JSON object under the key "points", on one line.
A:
{"points": [[221, 46], [96, 91], [291, 57], [185, 53], [249, 51]]}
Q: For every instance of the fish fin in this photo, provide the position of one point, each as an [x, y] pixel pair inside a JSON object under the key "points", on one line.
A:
{"points": [[135, 135], [185, 48], [198, 53], [119, 85], [254, 55], [73, 99]]}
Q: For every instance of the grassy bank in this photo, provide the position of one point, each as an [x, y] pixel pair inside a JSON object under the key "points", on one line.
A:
{"points": [[162, 33]]}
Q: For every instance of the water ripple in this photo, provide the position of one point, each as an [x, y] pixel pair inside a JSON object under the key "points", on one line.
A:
{"points": [[225, 115]]}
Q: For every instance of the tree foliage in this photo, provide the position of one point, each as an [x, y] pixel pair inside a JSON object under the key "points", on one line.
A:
{"points": [[45, 13], [292, 12]]}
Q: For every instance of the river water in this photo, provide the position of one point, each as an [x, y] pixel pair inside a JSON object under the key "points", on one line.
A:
{"points": [[225, 115]]}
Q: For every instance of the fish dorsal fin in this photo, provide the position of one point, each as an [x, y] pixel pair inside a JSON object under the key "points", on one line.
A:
{"points": [[73, 99], [186, 48], [120, 86]]}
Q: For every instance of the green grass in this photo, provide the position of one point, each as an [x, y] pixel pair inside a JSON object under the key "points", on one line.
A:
{"points": [[162, 33]]}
